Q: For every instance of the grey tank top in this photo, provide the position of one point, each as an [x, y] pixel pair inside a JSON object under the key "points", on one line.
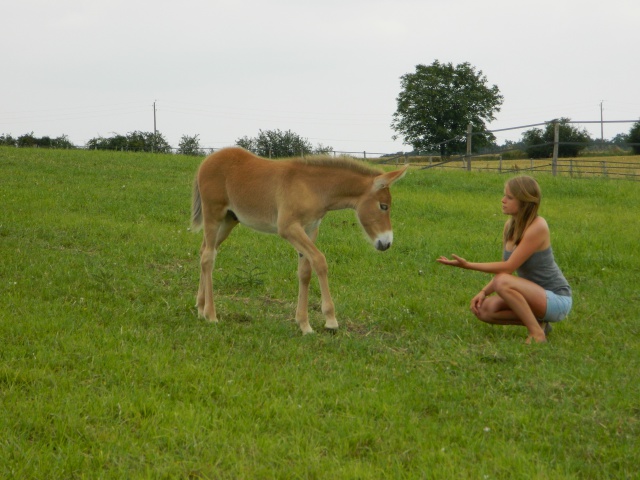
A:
{"points": [[542, 269]]}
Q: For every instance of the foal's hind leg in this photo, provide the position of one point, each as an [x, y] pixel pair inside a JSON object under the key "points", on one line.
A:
{"points": [[214, 235], [201, 283], [206, 306], [304, 278]]}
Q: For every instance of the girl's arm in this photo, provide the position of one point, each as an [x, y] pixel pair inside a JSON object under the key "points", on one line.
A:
{"points": [[535, 238]]}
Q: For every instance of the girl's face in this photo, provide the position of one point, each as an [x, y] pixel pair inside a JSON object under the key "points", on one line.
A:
{"points": [[510, 204]]}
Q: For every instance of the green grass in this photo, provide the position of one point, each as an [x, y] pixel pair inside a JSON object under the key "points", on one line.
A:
{"points": [[106, 372]]}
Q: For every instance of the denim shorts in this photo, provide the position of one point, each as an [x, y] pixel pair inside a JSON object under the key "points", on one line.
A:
{"points": [[558, 307]]}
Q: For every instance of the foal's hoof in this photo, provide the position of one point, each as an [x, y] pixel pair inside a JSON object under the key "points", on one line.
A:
{"points": [[305, 328], [330, 330], [209, 319]]}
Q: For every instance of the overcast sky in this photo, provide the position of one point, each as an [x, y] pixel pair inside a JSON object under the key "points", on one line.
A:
{"points": [[328, 70]]}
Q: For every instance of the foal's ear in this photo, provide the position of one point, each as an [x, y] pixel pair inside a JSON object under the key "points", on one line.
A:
{"points": [[387, 179]]}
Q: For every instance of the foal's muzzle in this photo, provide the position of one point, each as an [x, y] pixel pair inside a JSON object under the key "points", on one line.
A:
{"points": [[383, 241], [382, 245]]}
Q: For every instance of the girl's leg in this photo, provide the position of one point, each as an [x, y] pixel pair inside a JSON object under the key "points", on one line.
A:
{"points": [[495, 311], [518, 302]]}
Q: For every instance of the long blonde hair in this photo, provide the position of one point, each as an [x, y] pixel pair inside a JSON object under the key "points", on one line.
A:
{"points": [[527, 191]]}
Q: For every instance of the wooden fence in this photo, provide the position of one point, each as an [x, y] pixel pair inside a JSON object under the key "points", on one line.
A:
{"points": [[581, 167]]}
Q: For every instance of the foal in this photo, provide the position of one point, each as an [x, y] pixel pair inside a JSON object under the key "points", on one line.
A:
{"points": [[288, 198]]}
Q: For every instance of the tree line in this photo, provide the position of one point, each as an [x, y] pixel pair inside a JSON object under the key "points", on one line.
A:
{"points": [[269, 143], [29, 140], [535, 143]]}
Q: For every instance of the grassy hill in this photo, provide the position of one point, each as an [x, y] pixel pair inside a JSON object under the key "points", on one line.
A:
{"points": [[106, 372]]}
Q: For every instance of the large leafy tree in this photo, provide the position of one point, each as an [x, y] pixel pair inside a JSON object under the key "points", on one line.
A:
{"points": [[572, 140], [438, 101]]}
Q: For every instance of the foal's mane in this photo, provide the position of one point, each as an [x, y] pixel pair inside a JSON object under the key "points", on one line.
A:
{"points": [[340, 163]]}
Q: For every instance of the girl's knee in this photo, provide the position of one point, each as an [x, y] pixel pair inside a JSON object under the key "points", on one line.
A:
{"points": [[501, 280], [487, 310], [483, 315]]}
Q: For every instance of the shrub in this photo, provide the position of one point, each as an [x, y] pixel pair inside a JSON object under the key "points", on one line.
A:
{"points": [[572, 140]]}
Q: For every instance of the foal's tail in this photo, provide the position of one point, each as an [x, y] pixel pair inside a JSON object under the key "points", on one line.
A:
{"points": [[196, 208]]}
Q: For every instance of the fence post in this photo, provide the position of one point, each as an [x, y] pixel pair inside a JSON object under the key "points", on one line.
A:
{"points": [[556, 139], [469, 130], [500, 164], [604, 168]]}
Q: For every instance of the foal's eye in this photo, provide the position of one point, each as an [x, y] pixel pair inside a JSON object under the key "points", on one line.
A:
{"points": [[384, 206]]}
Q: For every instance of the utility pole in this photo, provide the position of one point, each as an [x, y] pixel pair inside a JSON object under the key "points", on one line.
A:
{"points": [[556, 144], [468, 155], [153, 142], [601, 123]]}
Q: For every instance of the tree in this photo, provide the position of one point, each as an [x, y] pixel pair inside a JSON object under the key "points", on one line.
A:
{"points": [[147, 142], [117, 142], [620, 140], [133, 141], [572, 140], [27, 140], [62, 142], [535, 144], [278, 144], [247, 143], [438, 101], [322, 150], [189, 146], [7, 140], [634, 138]]}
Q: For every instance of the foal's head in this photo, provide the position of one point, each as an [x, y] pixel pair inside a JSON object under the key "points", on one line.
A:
{"points": [[374, 208]]}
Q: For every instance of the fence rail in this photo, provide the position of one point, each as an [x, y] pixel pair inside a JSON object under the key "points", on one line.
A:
{"points": [[626, 167]]}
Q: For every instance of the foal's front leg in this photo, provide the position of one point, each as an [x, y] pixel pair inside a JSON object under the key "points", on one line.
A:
{"points": [[312, 258], [305, 268]]}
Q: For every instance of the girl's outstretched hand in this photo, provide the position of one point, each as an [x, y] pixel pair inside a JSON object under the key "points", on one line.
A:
{"points": [[456, 262]]}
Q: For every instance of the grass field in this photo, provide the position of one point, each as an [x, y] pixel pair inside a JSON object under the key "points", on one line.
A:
{"points": [[106, 372]]}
